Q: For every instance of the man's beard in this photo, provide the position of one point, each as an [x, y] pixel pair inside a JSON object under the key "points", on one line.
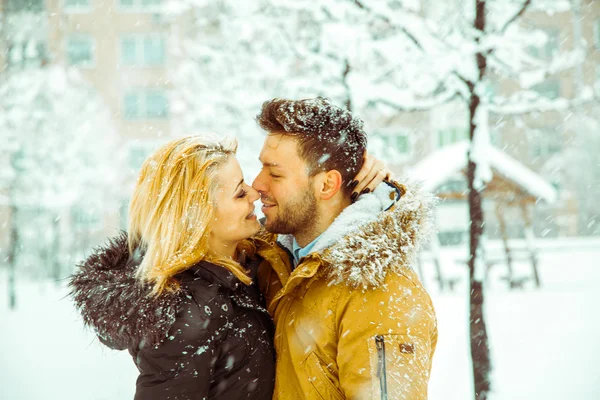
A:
{"points": [[295, 215]]}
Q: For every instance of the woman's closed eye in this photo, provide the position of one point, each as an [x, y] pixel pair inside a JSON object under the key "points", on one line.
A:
{"points": [[243, 194]]}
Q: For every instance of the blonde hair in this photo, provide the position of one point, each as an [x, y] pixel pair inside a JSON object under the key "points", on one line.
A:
{"points": [[172, 208]]}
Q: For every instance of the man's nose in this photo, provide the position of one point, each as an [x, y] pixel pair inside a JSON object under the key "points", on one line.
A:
{"points": [[259, 183]]}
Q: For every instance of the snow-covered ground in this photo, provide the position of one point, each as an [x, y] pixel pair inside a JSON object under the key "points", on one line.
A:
{"points": [[544, 342]]}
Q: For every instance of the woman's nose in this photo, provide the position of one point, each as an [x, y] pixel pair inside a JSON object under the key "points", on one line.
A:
{"points": [[253, 195]]}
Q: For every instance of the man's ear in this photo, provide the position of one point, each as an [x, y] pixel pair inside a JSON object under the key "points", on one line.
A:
{"points": [[330, 184]]}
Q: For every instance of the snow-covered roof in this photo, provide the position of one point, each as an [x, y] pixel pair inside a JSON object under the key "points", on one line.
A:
{"points": [[441, 165]]}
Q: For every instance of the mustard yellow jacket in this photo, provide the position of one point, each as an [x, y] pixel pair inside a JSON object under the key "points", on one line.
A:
{"points": [[352, 320]]}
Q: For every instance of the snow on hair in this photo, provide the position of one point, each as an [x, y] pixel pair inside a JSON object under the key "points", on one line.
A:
{"points": [[331, 138]]}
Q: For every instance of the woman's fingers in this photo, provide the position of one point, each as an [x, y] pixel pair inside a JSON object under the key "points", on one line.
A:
{"points": [[371, 174], [357, 184], [373, 178]]}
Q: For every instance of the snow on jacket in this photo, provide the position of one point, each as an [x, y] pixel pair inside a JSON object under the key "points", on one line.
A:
{"points": [[352, 320], [212, 339]]}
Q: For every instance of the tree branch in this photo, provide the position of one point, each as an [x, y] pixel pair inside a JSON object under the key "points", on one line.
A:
{"points": [[418, 105], [543, 104], [384, 18], [521, 11]]}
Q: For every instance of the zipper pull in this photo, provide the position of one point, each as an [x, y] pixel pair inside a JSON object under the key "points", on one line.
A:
{"points": [[379, 342]]}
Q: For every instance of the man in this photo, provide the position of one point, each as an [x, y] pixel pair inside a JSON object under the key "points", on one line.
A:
{"points": [[352, 319]]}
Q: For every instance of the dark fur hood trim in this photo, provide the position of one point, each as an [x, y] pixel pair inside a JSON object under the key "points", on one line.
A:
{"points": [[115, 304]]}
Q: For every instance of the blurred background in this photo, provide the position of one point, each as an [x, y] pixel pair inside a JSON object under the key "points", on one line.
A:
{"points": [[89, 88]]}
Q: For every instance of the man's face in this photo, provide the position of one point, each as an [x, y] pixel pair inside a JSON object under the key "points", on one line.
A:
{"points": [[286, 190]]}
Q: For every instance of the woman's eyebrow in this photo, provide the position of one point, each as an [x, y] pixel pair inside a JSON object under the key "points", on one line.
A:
{"points": [[238, 185]]}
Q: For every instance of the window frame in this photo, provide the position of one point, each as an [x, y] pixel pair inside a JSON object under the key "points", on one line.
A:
{"points": [[145, 92], [77, 9], [456, 132], [140, 56], [544, 86], [541, 145], [545, 53], [137, 7], [390, 136], [92, 41]]}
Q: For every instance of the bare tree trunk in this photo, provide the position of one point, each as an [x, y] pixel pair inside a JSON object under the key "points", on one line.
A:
{"points": [[480, 351], [346, 86]]}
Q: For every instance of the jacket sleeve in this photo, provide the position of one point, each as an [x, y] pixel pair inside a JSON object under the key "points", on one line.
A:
{"points": [[185, 361], [387, 337]]}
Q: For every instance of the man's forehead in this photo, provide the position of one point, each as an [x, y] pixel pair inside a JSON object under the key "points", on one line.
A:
{"points": [[273, 140], [278, 150]]}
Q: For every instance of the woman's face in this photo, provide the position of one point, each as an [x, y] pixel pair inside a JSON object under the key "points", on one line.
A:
{"points": [[234, 219]]}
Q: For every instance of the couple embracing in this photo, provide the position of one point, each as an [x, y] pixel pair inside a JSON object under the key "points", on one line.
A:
{"points": [[318, 301]]}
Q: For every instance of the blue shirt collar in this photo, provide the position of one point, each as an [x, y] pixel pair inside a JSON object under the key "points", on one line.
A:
{"points": [[299, 252]]}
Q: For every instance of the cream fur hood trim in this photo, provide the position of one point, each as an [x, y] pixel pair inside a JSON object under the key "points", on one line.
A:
{"points": [[365, 242]]}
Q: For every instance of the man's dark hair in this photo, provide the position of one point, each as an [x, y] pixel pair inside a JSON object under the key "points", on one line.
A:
{"points": [[330, 137]]}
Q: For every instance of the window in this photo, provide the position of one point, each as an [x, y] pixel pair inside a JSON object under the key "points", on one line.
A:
{"points": [[400, 143], [24, 54], [146, 104], [547, 50], [451, 135], [545, 142], [139, 5], [453, 185], [143, 50], [549, 89], [390, 144], [24, 5], [77, 5], [80, 50]]}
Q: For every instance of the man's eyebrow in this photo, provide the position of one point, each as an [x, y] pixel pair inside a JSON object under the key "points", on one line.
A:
{"points": [[271, 164]]}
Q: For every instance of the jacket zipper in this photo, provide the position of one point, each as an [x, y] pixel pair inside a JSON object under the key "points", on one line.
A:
{"points": [[381, 370]]}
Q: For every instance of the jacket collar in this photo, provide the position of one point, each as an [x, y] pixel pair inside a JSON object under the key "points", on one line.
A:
{"points": [[365, 210], [363, 245], [216, 274]]}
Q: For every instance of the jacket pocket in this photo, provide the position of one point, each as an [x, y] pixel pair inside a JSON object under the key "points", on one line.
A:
{"points": [[320, 377], [400, 366]]}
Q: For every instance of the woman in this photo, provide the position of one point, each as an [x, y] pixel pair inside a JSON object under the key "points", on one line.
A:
{"points": [[178, 290]]}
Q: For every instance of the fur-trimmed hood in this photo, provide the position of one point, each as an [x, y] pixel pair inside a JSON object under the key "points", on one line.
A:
{"points": [[380, 233], [115, 304]]}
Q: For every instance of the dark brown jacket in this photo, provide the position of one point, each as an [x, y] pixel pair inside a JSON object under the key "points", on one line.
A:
{"points": [[210, 340]]}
